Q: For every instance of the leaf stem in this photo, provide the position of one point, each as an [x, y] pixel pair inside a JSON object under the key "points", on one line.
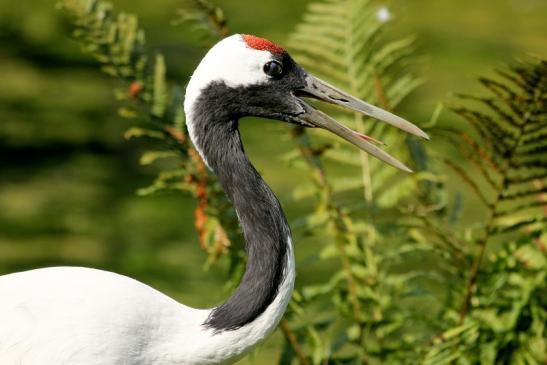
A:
{"points": [[293, 341]]}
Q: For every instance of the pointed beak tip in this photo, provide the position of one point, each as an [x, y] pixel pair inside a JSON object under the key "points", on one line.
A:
{"points": [[425, 136], [401, 166], [406, 169], [415, 130]]}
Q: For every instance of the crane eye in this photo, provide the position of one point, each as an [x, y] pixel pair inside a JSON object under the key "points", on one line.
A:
{"points": [[273, 69]]}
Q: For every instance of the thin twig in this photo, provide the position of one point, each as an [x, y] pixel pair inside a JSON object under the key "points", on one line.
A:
{"points": [[380, 93], [293, 341], [341, 231], [200, 183], [215, 16]]}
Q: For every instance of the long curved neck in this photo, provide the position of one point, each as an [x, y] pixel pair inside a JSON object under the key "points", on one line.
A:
{"points": [[265, 228]]}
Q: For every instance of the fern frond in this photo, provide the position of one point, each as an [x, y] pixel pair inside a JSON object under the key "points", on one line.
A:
{"points": [[341, 41], [503, 164], [505, 137]]}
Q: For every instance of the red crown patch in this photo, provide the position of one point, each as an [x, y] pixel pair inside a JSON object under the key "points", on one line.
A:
{"points": [[262, 44]]}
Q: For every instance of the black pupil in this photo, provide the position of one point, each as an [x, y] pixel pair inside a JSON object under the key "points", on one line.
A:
{"points": [[273, 68]]}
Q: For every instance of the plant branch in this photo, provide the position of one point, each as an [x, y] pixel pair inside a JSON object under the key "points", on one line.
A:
{"points": [[293, 341]]}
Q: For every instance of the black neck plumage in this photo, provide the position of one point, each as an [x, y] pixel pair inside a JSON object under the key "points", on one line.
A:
{"points": [[261, 217]]}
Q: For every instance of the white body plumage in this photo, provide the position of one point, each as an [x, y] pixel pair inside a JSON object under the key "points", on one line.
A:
{"points": [[82, 316]]}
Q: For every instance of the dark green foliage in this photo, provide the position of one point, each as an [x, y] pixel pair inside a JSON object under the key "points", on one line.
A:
{"points": [[502, 312], [506, 324], [406, 279]]}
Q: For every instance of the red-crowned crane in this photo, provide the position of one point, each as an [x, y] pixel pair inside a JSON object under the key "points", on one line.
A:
{"points": [[83, 316]]}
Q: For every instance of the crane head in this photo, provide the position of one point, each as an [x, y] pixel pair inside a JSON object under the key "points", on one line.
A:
{"points": [[252, 76]]}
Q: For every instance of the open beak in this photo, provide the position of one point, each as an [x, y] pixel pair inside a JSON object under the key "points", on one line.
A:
{"points": [[321, 90]]}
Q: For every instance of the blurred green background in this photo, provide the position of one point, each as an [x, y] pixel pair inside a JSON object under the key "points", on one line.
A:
{"points": [[68, 178]]}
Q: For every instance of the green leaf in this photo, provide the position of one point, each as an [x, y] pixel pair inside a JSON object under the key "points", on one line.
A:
{"points": [[136, 132], [152, 156], [159, 91]]}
